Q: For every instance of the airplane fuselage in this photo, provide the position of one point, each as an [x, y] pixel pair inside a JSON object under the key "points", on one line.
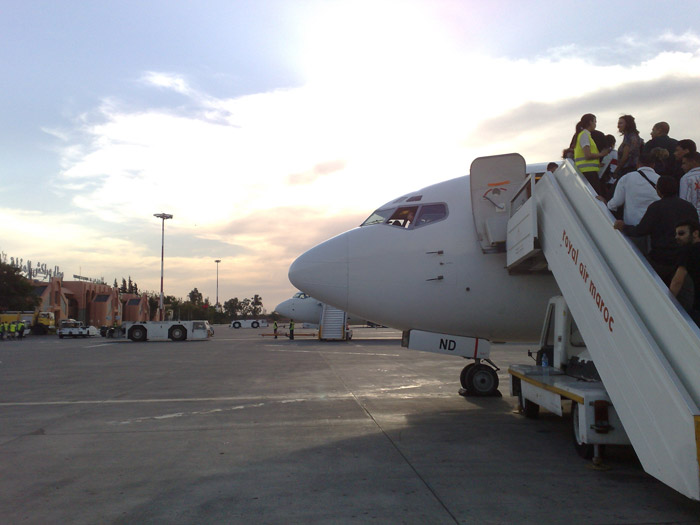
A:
{"points": [[430, 275]]}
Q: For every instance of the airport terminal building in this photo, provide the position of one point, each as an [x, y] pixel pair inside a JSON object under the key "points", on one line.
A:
{"points": [[95, 304]]}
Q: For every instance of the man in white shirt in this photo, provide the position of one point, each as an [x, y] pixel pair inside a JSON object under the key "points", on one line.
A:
{"points": [[690, 182], [636, 191]]}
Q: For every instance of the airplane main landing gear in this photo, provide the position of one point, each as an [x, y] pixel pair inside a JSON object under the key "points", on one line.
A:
{"points": [[480, 380]]}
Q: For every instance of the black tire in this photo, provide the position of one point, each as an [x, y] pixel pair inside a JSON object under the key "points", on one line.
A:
{"points": [[482, 380], [463, 376], [584, 450], [137, 333], [236, 325], [255, 324], [178, 333]]}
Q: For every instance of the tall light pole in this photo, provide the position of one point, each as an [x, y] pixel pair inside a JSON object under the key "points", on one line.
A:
{"points": [[217, 261], [163, 217]]}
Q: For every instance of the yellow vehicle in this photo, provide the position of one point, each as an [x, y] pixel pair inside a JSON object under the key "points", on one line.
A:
{"points": [[41, 323]]}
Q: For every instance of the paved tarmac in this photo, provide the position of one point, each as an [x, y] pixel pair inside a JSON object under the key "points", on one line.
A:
{"points": [[248, 429]]}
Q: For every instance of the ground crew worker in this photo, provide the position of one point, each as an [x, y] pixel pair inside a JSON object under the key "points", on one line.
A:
{"points": [[20, 330], [291, 329], [13, 330], [274, 326], [586, 154], [2, 330]]}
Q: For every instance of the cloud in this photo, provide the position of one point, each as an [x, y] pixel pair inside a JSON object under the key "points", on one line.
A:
{"points": [[258, 179], [170, 81], [556, 120], [319, 170]]}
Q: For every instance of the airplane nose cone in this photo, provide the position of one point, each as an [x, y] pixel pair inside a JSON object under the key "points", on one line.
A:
{"points": [[286, 308], [322, 272]]}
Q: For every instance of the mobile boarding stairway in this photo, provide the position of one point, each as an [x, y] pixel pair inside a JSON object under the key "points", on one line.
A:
{"points": [[333, 325], [644, 346]]}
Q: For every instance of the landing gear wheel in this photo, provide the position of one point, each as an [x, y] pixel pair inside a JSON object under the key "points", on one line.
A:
{"points": [[463, 376], [138, 333], [530, 409], [584, 450], [482, 380], [178, 333]]}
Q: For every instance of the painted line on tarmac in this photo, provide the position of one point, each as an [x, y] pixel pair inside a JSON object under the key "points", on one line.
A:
{"points": [[165, 400], [275, 349], [103, 344], [183, 414]]}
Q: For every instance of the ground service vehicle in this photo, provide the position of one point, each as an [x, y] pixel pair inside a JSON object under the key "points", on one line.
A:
{"points": [[248, 323], [163, 330], [563, 371], [73, 328], [41, 323]]}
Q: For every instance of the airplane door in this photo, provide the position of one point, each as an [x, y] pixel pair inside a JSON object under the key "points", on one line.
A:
{"points": [[493, 180]]}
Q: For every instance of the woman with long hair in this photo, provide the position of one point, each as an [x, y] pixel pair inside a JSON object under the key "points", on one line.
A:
{"points": [[631, 147], [586, 154]]}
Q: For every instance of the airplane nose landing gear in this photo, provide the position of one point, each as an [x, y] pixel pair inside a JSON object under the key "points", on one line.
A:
{"points": [[480, 380]]}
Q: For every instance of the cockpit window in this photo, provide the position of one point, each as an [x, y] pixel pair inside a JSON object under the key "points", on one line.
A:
{"points": [[378, 217], [415, 198], [404, 217], [300, 295], [431, 213], [408, 216]]}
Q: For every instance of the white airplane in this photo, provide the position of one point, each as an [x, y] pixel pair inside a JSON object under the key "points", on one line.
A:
{"points": [[305, 309], [433, 262], [302, 308]]}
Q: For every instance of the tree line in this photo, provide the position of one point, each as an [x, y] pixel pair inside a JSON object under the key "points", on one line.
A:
{"points": [[16, 292], [131, 287], [198, 307]]}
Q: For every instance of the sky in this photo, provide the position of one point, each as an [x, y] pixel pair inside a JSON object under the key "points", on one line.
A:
{"points": [[267, 126]]}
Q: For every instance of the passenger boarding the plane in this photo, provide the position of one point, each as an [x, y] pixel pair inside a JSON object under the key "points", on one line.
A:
{"points": [[688, 236], [631, 147], [683, 147], [690, 182], [608, 164], [635, 191], [659, 222]]}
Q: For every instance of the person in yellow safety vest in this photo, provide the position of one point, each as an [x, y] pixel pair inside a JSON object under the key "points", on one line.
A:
{"points": [[2, 330], [20, 330], [586, 154], [13, 329], [275, 329]]}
